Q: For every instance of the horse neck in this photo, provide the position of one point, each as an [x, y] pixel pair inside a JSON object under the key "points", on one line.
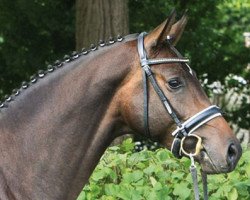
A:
{"points": [[51, 145]]}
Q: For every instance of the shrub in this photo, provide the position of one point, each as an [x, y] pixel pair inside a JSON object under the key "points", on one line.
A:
{"points": [[232, 95], [126, 175]]}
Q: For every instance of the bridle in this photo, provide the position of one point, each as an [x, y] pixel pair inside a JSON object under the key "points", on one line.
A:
{"points": [[184, 129]]}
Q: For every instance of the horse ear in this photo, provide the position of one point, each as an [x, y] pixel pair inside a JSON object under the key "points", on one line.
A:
{"points": [[177, 30], [168, 29], [159, 34]]}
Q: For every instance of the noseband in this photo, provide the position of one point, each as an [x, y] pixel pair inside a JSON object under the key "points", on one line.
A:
{"points": [[185, 128]]}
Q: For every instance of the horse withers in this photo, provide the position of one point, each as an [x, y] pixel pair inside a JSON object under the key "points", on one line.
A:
{"points": [[55, 128]]}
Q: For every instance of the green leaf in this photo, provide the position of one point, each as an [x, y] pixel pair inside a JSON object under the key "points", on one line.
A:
{"points": [[149, 170], [111, 189], [95, 190], [243, 188], [163, 194], [233, 194], [163, 175], [162, 155], [114, 148], [153, 181], [141, 165], [141, 182], [178, 175], [127, 145], [98, 175], [157, 186], [135, 195], [152, 196], [234, 176], [182, 191], [247, 168], [132, 177], [104, 197], [124, 194]]}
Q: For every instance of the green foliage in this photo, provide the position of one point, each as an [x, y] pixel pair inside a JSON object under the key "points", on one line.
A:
{"points": [[233, 96], [124, 175], [32, 34], [213, 38], [239, 112]]}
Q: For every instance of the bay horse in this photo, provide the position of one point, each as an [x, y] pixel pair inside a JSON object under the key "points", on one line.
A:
{"points": [[55, 128]]}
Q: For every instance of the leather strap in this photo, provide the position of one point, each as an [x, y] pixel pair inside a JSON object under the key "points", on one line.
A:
{"points": [[145, 104], [193, 172], [204, 184], [145, 65]]}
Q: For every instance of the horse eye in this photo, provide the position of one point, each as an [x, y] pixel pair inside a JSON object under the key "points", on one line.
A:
{"points": [[174, 83]]}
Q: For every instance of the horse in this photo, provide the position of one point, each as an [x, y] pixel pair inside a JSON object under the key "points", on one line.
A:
{"points": [[55, 128]]}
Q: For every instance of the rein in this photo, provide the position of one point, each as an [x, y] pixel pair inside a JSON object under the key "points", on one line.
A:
{"points": [[184, 129]]}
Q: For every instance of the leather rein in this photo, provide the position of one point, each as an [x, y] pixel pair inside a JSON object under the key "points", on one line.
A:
{"points": [[183, 129]]}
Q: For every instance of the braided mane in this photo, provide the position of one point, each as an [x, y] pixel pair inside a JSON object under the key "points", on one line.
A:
{"points": [[59, 64]]}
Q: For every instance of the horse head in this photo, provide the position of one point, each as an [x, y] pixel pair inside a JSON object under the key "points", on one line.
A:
{"points": [[163, 73]]}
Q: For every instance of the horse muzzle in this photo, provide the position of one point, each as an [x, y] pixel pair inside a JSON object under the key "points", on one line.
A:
{"points": [[218, 162], [211, 160]]}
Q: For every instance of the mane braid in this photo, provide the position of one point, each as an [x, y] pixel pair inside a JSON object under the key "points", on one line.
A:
{"points": [[57, 64]]}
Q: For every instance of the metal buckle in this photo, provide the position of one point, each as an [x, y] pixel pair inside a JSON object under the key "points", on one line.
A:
{"points": [[147, 70], [198, 146], [180, 129]]}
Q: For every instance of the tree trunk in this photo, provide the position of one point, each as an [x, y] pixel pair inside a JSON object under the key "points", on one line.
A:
{"points": [[100, 19]]}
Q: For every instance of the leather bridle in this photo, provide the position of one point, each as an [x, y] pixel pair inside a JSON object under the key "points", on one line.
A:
{"points": [[184, 129]]}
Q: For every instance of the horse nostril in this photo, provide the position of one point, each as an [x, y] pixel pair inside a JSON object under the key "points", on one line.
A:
{"points": [[232, 154]]}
